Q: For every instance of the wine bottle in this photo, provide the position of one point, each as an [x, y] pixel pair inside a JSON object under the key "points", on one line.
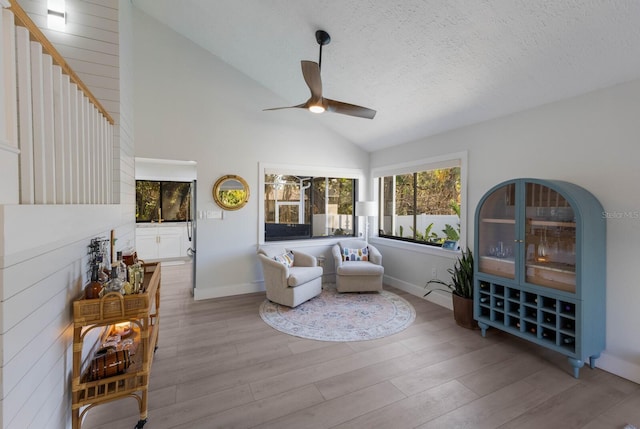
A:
{"points": [[499, 303], [484, 299], [568, 340]]}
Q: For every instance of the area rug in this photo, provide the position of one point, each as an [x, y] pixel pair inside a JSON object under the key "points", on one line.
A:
{"points": [[333, 316]]}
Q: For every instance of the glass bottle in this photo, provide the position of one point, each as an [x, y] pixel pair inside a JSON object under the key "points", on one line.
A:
{"points": [[122, 268], [92, 290], [103, 272], [114, 285]]}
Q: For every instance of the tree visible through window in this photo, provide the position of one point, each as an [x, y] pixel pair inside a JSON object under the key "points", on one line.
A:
{"points": [[422, 206], [169, 201]]}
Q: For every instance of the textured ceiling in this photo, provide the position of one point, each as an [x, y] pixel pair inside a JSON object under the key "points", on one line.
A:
{"points": [[426, 66]]}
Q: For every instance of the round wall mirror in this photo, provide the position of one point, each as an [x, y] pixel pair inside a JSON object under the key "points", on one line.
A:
{"points": [[231, 192]]}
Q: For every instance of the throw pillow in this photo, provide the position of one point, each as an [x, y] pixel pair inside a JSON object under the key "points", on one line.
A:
{"points": [[355, 254], [285, 259]]}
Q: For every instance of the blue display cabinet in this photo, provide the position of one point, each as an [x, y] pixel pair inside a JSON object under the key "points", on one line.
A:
{"points": [[540, 266]]}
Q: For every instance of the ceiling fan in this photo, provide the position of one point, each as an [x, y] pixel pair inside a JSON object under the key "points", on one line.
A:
{"points": [[317, 103]]}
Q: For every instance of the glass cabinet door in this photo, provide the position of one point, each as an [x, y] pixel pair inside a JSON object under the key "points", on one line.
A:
{"points": [[496, 234], [550, 239]]}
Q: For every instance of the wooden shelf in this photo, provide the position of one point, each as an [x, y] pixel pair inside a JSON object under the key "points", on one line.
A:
{"points": [[504, 267], [553, 223], [499, 220]]}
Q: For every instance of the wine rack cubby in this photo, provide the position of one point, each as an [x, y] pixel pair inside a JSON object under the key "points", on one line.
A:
{"points": [[529, 315]]}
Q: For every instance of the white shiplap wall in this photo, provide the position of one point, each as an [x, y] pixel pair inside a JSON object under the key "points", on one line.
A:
{"points": [[43, 247]]}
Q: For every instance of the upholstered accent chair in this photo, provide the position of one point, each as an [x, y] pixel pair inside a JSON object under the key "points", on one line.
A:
{"points": [[291, 277], [358, 266]]}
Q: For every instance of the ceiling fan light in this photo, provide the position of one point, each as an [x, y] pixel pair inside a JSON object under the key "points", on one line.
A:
{"points": [[316, 108]]}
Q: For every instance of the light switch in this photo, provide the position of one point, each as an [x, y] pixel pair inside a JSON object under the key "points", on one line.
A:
{"points": [[213, 214]]}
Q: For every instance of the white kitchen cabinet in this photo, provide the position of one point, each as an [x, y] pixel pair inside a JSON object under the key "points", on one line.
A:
{"points": [[161, 242]]}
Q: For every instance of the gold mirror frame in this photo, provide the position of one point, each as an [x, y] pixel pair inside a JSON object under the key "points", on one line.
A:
{"points": [[231, 192]]}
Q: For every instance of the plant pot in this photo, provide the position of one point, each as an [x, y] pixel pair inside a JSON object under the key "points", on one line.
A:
{"points": [[463, 312]]}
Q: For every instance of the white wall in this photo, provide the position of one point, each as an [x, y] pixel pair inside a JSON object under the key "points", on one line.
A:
{"points": [[189, 105], [591, 140], [43, 249]]}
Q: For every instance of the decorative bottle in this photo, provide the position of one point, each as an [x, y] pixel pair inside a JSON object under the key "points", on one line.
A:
{"points": [[114, 285], [92, 290], [103, 271], [122, 268]]}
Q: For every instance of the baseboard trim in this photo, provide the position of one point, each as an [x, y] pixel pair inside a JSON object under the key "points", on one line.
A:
{"points": [[440, 298], [620, 367], [228, 290]]}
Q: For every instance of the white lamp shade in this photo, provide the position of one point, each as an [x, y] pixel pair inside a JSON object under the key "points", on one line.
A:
{"points": [[366, 208]]}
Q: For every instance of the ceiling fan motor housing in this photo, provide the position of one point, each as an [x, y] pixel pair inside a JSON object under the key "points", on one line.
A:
{"points": [[322, 37]]}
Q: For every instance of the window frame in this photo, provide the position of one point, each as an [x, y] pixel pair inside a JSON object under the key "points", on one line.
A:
{"points": [[313, 171], [456, 159], [161, 182]]}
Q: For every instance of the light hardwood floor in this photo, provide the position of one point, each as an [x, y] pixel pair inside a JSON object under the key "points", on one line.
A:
{"points": [[219, 365]]}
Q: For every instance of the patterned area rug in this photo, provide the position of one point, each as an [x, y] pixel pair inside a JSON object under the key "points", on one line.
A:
{"points": [[333, 316]]}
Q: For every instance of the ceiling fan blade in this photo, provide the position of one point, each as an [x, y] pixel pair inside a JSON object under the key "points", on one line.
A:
{"points": [[311, 73], [303, 105], [349, 109]]}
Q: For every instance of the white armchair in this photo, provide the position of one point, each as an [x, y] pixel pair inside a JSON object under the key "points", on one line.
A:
{"points": [[290, 284], [353, 275]]}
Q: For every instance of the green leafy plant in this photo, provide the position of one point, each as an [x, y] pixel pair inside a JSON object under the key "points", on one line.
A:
{"points": [[461, 282], [428, 234], [451, 232]]}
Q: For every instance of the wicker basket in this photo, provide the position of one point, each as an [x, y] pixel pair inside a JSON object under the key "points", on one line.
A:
{"points": [[114, 306]]}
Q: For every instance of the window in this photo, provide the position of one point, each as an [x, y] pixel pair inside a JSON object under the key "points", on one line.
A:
{"points": [[169, 201], [422, 202], [302, 207]]}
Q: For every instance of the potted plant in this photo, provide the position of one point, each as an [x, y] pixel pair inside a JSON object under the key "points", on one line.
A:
{"points": [[461, 288]]}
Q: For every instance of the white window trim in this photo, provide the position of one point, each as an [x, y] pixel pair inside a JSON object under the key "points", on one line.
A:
{"points": [[315, 171], [442, 161]]}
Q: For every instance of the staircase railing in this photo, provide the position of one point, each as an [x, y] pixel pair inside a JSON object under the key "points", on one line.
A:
{"points": [[62, 135]]}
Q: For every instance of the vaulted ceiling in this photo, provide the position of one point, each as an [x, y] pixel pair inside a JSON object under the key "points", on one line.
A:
{"points": [[426, 66]]}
